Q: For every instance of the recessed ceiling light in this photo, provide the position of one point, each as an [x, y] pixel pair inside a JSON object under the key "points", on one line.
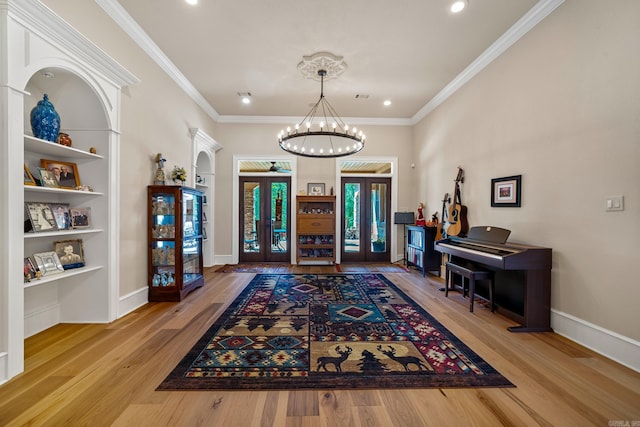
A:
{"points": [[192, 2], [245, 96], [387, 103], [458, 5]]}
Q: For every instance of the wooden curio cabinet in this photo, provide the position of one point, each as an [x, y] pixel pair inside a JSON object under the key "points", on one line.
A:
{"points": [[175, 241], [316, 228]]}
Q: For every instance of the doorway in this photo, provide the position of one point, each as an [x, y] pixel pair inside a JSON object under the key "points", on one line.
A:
{"points": [[365, 219], [265, 218]]}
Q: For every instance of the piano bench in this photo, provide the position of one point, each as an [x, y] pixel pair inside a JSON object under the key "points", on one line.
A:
{"points": [[471, 273]]}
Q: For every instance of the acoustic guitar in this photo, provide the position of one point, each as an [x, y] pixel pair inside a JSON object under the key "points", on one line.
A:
{"points": [[441, 231], [457, 218]]}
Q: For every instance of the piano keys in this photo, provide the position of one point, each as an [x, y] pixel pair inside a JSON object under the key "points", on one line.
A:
{"points": [[522, 274]]}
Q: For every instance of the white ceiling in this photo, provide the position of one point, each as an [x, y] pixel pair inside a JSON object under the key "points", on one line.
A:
{"points": [[407, 51]]}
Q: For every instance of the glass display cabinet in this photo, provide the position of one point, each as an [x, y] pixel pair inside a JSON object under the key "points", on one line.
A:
{"points": [[175, 241]]}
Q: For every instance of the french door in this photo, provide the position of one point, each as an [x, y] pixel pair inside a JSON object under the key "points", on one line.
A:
{"points": [[366, 214], [265, 218]]}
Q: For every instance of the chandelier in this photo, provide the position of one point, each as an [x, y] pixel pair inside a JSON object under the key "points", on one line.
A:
{"points": [[322, 133]]}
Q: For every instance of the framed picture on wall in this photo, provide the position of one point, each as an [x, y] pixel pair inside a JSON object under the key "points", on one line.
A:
{"points": [[506, 192], [315, 189]]}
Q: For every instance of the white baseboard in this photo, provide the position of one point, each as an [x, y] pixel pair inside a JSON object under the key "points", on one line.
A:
{"points": [[132, 301], [41, 319], [612, 345], [223, 259], [4, 370]]}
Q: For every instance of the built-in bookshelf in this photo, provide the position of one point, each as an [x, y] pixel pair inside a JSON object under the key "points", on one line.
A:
{"points": [[50, 57]]}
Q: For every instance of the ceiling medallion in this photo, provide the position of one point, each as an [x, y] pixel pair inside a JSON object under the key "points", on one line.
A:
{"points": [[322, 133], [332, 64]]}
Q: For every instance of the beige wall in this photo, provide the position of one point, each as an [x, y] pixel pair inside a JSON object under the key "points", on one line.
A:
{"points": [[562, 108], [261, 140], [156, 117]]}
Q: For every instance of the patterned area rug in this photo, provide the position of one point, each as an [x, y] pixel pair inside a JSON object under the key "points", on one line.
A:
{"points": [[328, 331]]}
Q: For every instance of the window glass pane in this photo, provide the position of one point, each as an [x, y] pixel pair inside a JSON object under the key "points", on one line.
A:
{"points": [[378, 217], [251, 216], [352, 217], [279, 196]]}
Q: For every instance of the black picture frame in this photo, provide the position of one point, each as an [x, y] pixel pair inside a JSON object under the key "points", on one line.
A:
{"points": [[506, 192], [315, 189]]}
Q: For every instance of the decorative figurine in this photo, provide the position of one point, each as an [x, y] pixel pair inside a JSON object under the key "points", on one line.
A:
{"points": [[420, 220], [160, 178]]}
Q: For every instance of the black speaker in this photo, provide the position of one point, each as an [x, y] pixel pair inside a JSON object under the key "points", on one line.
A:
{"points": [[404, 218]]}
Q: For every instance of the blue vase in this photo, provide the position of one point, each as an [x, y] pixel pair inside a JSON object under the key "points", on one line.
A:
{"points": [[45, 121]]}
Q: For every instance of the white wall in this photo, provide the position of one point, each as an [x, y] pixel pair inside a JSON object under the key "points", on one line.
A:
{"points": [[562, 108]]}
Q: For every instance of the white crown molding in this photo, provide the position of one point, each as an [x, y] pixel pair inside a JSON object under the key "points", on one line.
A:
{"points": [[201, 137], [137, 34], [529, 20], [373, 121], [46, 24]]}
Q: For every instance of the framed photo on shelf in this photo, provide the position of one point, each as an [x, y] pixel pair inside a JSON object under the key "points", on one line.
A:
{"points": [[28, 178], [41, 216], [48, 263], [315, 189], [29, 270], [61, 214], [80, 217], [506, 192], [70, 253], [66, 173], [47, 178]]}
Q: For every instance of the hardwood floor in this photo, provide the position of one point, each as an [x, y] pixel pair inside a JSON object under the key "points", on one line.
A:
{"points": [[103, 375]]}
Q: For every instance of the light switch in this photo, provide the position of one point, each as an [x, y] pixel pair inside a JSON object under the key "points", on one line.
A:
{"points": [[614, 203]]}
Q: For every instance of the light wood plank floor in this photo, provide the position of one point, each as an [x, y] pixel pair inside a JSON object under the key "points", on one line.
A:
{"points": [[103, 375]]}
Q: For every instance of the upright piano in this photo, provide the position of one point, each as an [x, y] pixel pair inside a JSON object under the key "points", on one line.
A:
{"points": [[522, 274]]}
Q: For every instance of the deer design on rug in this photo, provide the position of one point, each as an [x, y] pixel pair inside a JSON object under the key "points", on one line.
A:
{"points": [[323, 361], [405, 361]]}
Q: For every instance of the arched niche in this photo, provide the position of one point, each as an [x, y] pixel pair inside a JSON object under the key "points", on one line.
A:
{"points": [[73, 97], [203, 173]]}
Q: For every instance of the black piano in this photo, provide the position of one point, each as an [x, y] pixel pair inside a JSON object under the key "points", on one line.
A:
{"points": [[522, 274]]}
